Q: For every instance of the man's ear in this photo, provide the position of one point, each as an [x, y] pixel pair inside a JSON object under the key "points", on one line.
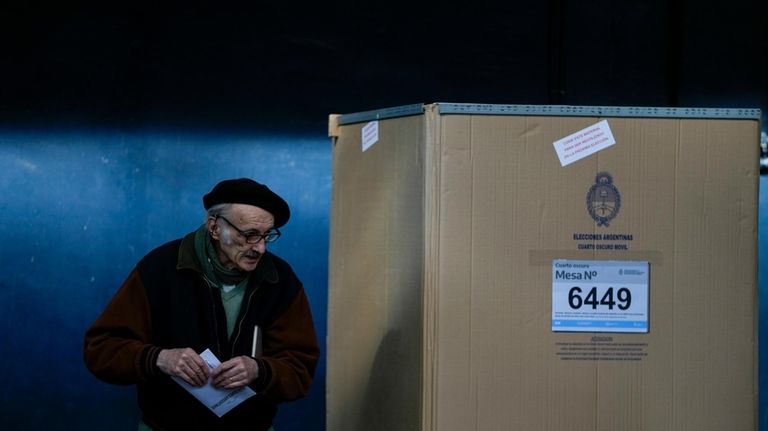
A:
{"points": [[213, 227]]}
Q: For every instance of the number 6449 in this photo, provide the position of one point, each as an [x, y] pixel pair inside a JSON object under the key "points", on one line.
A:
{"points": [[623, 298]]}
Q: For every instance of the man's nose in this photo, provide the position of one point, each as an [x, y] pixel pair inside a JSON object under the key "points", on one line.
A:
{"points": [[260, 246]]}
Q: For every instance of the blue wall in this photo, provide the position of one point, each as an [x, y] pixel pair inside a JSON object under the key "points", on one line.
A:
{"points": [[78, 210]]}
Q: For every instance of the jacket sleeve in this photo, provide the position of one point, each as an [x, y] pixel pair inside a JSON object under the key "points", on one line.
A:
{"points": [[117, 348], [290, 354]]}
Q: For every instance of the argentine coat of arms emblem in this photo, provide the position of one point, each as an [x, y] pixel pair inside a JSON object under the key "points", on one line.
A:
{"points": [[603, 199]]}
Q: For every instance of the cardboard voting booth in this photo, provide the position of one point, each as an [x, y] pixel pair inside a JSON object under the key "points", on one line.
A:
{"points": [[508, 267]]}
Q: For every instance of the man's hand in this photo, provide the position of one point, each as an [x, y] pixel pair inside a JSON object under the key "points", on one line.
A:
{"points": [[184, 363], [236, 372]]}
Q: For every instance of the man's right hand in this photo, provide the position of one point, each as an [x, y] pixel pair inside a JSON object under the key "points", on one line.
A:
{"points": [[184, 363]]}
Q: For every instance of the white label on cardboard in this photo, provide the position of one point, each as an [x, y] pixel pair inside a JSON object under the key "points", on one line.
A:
{"points": [[370, 134], [583, 143], [599, 296]]}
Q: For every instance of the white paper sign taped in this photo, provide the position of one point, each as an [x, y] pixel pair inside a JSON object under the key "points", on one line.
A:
{"points": [[583, 143], [370, 134]]}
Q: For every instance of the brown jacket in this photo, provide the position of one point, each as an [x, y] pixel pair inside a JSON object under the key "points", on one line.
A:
{"points": [[166, 303]]}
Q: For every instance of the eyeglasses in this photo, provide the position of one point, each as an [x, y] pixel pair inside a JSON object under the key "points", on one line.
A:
{"points": [[252, 237]]}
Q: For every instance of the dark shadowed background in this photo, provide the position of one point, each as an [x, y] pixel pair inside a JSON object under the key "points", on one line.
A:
{"points": [[116, 118]]}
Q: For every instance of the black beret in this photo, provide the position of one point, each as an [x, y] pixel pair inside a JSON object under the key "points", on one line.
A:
{"points": [[249, 192]]}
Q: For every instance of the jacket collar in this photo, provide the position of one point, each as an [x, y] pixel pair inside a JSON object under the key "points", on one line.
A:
{"points": [[188, 260]]}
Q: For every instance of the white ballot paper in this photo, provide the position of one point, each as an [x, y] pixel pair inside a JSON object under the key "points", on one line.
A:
{"points": [[219, 400]]}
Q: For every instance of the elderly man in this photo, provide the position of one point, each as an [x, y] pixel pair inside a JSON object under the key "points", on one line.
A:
{"points": [[217, 288]]}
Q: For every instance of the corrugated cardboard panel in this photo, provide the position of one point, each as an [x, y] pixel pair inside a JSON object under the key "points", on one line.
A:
{"points": [[501, 199], [376, 268], [519, 196], [455, 395], [715, 233], [506, 209], [637, 395], [430, 334]]}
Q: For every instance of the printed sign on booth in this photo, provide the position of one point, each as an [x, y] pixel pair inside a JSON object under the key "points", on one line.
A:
{"points": [[599, 296]]}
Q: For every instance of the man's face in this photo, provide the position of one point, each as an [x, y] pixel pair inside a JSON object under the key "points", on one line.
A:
{"points": [[233, 251]]}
